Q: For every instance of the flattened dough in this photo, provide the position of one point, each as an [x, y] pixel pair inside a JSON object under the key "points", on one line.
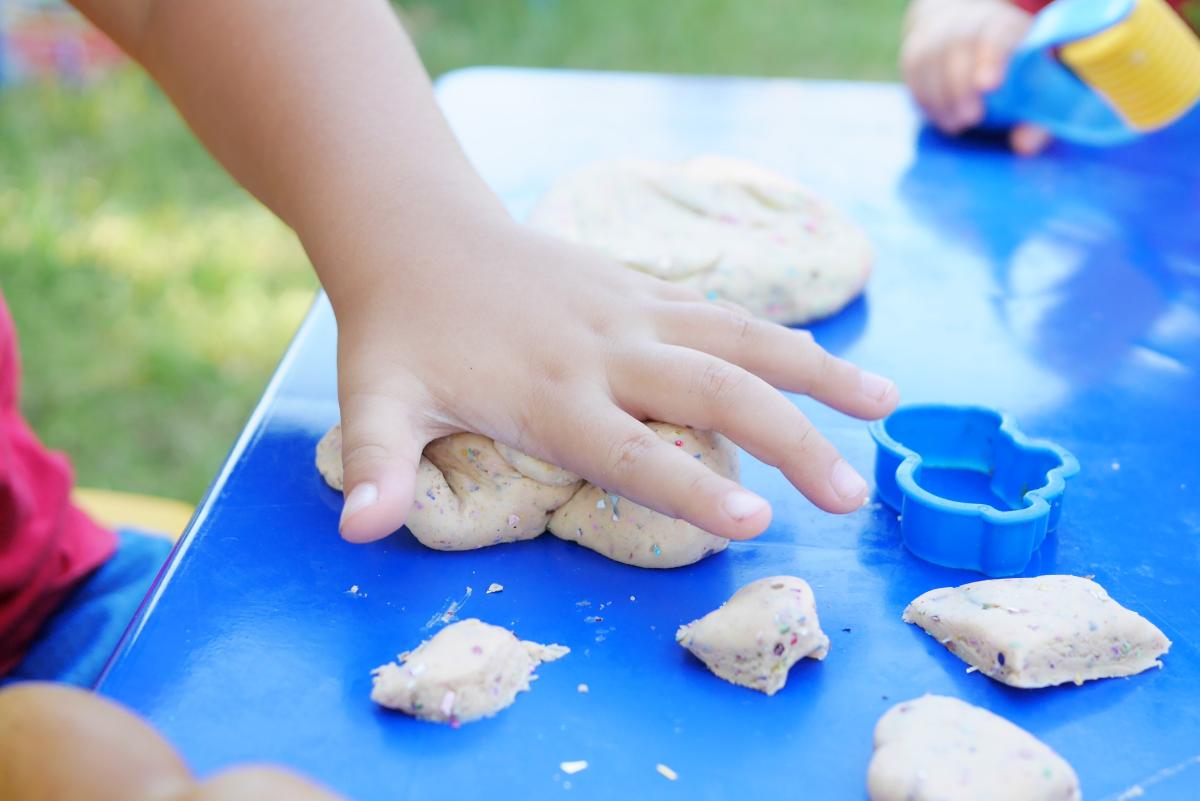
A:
{"points": [[629, 533], [467, 671], [1038, 632], [756, 636], [473, 492], [725, 227], [942, 749]]}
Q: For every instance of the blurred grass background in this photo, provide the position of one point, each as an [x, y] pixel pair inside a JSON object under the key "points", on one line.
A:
{"points": [[153, 297]]}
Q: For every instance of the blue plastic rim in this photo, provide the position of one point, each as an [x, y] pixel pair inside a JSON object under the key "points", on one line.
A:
{"points": [[972, 491]]}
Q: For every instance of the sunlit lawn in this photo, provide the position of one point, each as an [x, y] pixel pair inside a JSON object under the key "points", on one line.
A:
{"points": [[153, 297]]}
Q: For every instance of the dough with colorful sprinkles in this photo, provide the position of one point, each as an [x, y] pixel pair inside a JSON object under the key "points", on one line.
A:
{"points": [[936, 748], [1039, 632], [630, 533], [467, 671], [733, 230], [472, 492], [756, 636]]}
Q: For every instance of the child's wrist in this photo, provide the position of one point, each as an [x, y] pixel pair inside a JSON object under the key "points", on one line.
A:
{"points": [[382, 255]]}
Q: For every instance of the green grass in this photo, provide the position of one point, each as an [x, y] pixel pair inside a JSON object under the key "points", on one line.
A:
{"points": [[153, 297]]}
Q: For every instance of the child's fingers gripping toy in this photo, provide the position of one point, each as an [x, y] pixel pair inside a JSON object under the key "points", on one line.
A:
{"points": [[1101, 72]]}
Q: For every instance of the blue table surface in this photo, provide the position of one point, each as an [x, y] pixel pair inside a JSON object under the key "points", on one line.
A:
{"points": [[1064, 289]]}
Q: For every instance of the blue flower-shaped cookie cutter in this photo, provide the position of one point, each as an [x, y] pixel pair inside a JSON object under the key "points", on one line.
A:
{"points": [[972, 490]]}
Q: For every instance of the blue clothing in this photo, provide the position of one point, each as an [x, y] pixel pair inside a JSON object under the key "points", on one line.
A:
{"points": [[78, 640]]}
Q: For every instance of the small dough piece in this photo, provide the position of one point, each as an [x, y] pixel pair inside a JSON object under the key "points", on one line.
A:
{"points": [[726, 227], [756, 636], [469, 496], [936, 748], [627, 532], [1039, 632], [467, 671]]}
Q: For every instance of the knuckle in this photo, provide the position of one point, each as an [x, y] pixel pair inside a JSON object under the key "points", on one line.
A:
{"points": [[741, 328], [719, 382], [800, 449], [629, 452], [363, 456]]}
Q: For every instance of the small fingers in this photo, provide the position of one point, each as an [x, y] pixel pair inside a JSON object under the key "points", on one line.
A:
{"points": [[614, 451], [687, 387], [786, 358]]}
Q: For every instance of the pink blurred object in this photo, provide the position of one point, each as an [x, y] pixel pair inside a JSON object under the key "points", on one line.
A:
{"points": [[48, 38]]}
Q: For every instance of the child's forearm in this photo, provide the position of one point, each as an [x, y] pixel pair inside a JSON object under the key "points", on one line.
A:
{"points": [[321, 109]]}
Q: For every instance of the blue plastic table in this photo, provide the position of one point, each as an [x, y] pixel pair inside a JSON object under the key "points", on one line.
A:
{"points": [[1065, 289]]}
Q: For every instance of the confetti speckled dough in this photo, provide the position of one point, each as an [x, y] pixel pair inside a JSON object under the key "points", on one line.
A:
{"points": [[1039, 632], [473, 492], [725, 227], [756, 636], [936, 748], [629, 533], [467, 671]]}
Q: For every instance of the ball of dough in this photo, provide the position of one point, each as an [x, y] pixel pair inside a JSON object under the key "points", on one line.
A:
{"points": [[942, 749], [1039, 632], [467, 671], [756, 636], [725, 227], [627, 532], [472, 492]]}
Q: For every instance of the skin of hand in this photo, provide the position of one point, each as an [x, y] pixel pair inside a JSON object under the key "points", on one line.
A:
{"points": [[59, 742], [451, 317], [954, 52]]}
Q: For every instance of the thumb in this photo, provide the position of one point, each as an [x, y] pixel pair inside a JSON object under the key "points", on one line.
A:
{"points": [[381, 448], [1029, 140]]}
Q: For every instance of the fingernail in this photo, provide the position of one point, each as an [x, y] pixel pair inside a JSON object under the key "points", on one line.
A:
{"points": [[876, 387], [846, 481], [740, 504], [360, 498]]}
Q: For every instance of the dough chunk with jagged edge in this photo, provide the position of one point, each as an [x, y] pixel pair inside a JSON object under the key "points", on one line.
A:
{"points": [[467, 671], [755, 637]]}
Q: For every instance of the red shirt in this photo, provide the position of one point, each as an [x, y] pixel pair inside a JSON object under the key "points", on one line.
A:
{"points": [[46, 545]]}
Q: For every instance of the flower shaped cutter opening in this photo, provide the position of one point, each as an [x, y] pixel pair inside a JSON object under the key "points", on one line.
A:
{"points": [[972, 490]]}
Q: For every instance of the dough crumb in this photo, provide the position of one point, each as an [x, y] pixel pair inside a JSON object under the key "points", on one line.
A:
{"points": [[756, 636], [467, 671], [494, 588], [353, 590], [666, 772], [583, 688], [1039, 632], [573, 767], [936, 747]]}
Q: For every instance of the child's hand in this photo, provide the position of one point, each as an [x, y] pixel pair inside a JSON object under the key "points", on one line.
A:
{"points": [[492, 328], [450, 316], [956, 51]]}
